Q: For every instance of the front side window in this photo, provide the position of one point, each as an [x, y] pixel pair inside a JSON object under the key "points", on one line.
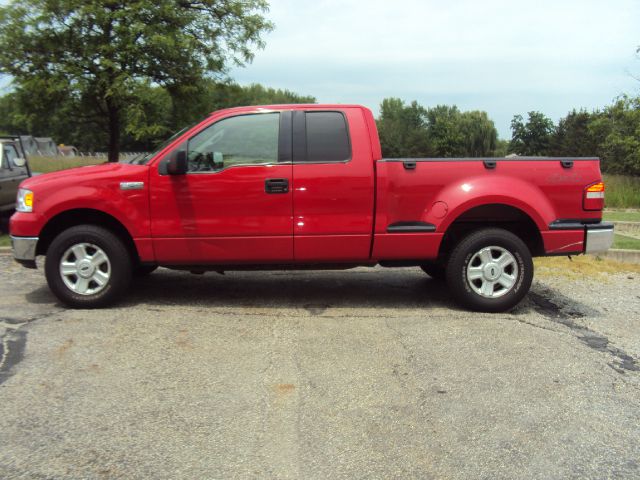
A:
{"points": [[241, 140]]}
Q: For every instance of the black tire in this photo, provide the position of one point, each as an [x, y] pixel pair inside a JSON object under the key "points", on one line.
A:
{"points": [[465, 290], [119, 266], [144, 270], [436, 271], [4, 222]]}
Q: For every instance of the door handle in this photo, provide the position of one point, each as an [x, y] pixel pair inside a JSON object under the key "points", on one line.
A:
{"points": [[276, 185]]}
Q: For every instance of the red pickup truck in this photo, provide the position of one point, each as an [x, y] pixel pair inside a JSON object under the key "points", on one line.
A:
{"points": [[305, 186]]}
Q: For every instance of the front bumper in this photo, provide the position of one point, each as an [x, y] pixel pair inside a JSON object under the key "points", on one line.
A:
{"points": [[24, 250], [598, 237]]}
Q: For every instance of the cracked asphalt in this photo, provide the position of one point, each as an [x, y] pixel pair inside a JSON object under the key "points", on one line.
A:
{"points": [[368, 373]]}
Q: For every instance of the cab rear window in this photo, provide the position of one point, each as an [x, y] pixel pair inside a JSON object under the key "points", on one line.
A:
{"points": [[327, 137]]}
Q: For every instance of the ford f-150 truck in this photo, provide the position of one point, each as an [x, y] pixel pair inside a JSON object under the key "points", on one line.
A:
{"points": [[305, 186]]}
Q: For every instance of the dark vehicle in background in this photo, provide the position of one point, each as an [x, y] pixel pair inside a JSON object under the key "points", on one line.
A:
{"points": [[13, 170]]}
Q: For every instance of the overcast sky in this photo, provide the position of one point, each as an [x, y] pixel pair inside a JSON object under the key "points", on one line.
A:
{"points": [[505, 57]]}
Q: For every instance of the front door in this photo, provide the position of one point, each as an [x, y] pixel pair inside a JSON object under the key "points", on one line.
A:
{"points": [[235, 204]]}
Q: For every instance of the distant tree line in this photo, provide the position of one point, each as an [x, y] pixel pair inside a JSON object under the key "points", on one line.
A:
{"points": [[117, 74], [442, 131], [145, 122], [406, 130], [611, 133]]}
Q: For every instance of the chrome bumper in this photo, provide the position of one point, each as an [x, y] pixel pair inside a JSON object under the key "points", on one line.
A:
{"points": [[24, 248], [598, 238]]}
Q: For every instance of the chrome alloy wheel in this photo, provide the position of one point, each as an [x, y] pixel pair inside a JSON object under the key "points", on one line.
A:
{"points": [[85, 269], [492, 272]]}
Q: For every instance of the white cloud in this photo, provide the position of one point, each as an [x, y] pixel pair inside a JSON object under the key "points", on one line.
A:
{"points": [[502, 56]]}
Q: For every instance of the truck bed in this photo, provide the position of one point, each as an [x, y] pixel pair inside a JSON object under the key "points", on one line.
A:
{"points": [[433, 193]]}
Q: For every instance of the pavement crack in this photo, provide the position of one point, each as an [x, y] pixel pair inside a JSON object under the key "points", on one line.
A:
{"points": [[13, 342], [559, 309], [12, 346], [534, 325], [409, 360]]}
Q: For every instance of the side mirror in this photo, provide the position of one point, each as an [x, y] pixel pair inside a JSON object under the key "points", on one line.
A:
{"points": [[178, 164], [20, 162]]}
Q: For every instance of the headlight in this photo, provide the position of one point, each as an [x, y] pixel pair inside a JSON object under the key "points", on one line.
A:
{"points": [[24, 202]]}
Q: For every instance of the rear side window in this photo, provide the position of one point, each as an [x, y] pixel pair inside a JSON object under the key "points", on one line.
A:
{"points": [[327, 137]]}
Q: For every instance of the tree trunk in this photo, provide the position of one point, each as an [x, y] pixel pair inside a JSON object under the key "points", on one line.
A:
{"points": [[114, 132]]}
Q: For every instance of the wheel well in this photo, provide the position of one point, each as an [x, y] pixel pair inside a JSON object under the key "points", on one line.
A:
{"points": [[493, 215], [71, 218]]}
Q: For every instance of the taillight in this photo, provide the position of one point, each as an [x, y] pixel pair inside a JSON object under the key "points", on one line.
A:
{"points": [[593, 196]]}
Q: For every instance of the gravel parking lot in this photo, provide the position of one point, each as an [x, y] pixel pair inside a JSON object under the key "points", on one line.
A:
{"points": [[368, 373]]}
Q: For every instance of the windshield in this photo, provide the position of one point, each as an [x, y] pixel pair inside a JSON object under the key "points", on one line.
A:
{"points": [[143, 158]]}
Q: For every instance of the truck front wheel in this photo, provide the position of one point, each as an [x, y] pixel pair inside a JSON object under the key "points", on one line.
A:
{"points": [[490, 270], [87, 267]]}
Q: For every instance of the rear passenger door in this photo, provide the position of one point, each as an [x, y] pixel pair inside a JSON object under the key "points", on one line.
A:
{"points": [[333, 186]]}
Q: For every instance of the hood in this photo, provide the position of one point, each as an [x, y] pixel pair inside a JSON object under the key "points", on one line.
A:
{"points": [[81, 175]]}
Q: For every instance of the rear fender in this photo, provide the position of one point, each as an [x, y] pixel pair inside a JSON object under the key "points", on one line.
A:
{"points": [[474, 192]]}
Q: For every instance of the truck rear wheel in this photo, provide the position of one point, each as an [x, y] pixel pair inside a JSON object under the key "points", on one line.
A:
{"points": [[87, 267], [490, 270]]}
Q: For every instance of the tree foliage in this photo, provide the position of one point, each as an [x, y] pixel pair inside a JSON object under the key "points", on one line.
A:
{"points": [[616, 131], [145, 122], [532, 137], [612, 133], [572, 136], [102, 54], [401, 128], [442, 131]]}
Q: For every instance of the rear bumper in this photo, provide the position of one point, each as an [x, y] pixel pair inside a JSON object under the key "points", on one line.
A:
{"points": [[572, 237], [24, 250], [598, 237]]}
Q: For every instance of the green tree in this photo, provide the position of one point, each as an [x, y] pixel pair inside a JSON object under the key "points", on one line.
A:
{"points": [[572, 137], [443, 131], [533, 137], [452, 133], [502, 148], [207, 95], [97, 52], [480, 134], [402, 129], [145, 122], [616, 129]]}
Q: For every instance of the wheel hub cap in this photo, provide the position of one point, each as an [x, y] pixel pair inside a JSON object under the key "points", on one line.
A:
{"points": [[492, 272], [85, 269]]}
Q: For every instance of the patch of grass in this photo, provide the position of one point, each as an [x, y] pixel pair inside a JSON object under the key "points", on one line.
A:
{"points": [[581, 267], [53, 164], [622, 191], [629, 243], [621, 215], [5, 241]]}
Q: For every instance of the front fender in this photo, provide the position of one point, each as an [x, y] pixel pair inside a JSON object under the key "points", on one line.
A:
{"points": [[130, 208]]}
